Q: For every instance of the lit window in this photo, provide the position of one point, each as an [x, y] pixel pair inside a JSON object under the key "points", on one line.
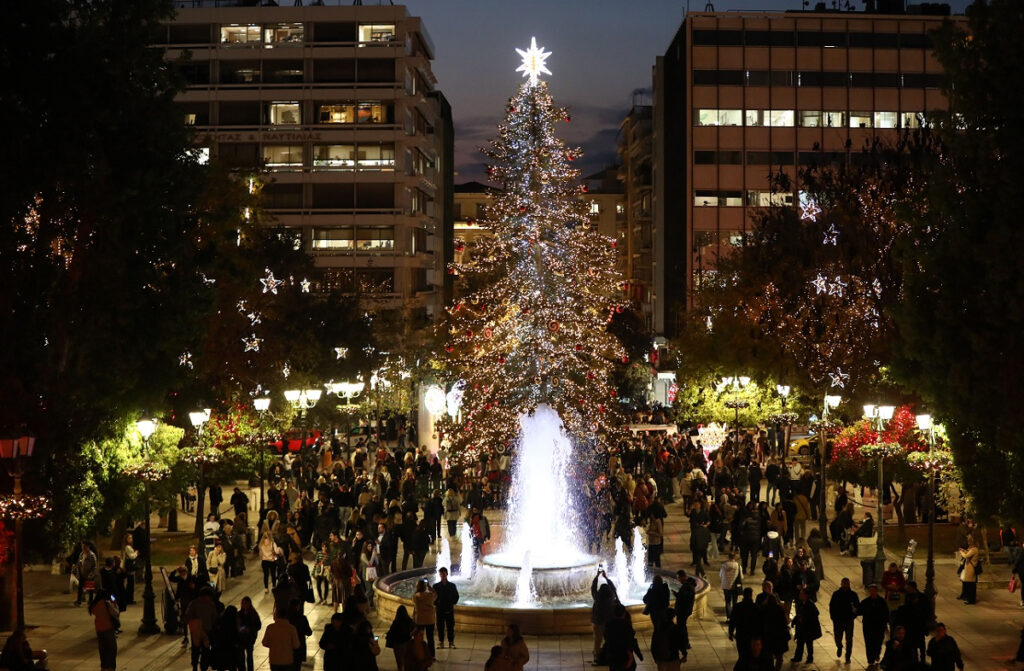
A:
{"points": [[752, 117], [200, 154], [338, 113], [333, 238], [369, 112], [235, 34], [736, 238], [282, 155], [886, 119], [780, 118], [376, 32], [595, 207], [910, 120], [376, 156], [769, 198], [337, 156], [620, 208], [716, 117], [283, 33], [810, 118], [833, 119], [861, 119], [285, 113], [705, 198], [375, 238]]}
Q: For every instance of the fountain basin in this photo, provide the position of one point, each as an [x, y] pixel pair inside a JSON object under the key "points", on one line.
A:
{"points": [[500, 572], [480, 611]]}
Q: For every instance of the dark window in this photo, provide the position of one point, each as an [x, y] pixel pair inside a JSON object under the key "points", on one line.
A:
{"points": [[334, 196], [887, 41], [724, 38], [862, 79], [239, 72], [915, 41], [769, 158], [719, 77], [813, 79], [917, 80], [376, 70], [239, 154], [334, 70], [239, 114], [375, 196], [189, 33], [821, 39], [837, 79], [282, 196], [765, 38], [934, 81], [282, 72], [783, 78], [813, 158], [334, 32], [196, 114], [758, 78], [194, 73], [719, 157], [862, 40], [705, 77], [887, 80]]}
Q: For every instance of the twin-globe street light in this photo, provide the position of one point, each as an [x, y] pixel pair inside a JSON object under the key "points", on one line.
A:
{"points": [[736, 384], [146, 428], [924, 423], [879, 415], [832, 402]]}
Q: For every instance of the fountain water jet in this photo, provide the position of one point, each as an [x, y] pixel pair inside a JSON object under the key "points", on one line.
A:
{"points": [[638, 560], [621, 565], [466, 560], [444, 557], [525, 595]]}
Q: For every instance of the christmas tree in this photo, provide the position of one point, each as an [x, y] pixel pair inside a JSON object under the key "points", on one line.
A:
{"points": [[532, 328]]}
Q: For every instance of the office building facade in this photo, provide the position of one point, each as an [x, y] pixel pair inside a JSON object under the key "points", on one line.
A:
{"points": [[739, 95], [334, 108]]}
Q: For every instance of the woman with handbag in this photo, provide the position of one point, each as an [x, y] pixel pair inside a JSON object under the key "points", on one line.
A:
{"points": [[106, 621], [970, 567], [268, 552], [217, 566]]}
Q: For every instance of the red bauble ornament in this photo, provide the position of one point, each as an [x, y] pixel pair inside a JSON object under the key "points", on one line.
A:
{"points": [[584, 188], [501, 359], [451, 271], [614, 244], [619, 309], [469, 333], [568, 118], [601, 409], [449, 349], [614, 394], [625, 359], [579, 347], [590, 376], [522, 208]]}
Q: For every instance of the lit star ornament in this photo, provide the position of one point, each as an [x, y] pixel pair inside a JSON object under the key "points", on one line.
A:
{"points": [[340, 352], [837, 287], [820, 283], [533, 62], [839, 378], [831, 236], [305, 283], [252, 343], [270, 283], [186, 360]]}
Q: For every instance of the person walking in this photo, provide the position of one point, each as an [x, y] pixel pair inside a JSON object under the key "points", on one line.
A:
{"points": [[452, 503], [447, 596], [106, 622], [775, 626], [513, 648], [364, 649], [249, 625], [842, 609], [201, 617], [225, 641], [399, 636], [731, 576], [874, 619], [655, 540], [807, 626], [240, 502], [686, 597], [302, 628], [667, 644], [424, 612], [899, 655], [755, 657], [969, 573], [268, 552], [944, 651], [282, 640], [744, 622], [334, 642]]}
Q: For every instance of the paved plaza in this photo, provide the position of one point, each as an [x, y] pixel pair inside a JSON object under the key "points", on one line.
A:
{"points": [[988, 633]]}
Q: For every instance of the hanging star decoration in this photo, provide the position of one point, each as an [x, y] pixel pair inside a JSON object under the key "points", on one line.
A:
{"points": [[836, 287], [305, 284], [286, 370], [270, 283], [533, 62], [877, 287], [255, 318], [839, 378], [831, 236], [252, 343], [207, 280], [820, 283], [186, 360], [257, 391], [809, 210], [241, 306], [340, 352]]}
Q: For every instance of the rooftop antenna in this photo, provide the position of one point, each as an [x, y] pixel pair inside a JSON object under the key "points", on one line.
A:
{"points": [[709, 6]]}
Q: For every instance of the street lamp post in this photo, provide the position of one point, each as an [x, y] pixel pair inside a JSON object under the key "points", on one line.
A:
{"points": [[149, 625], [784, 390], [736, 384], [262, 405], [831, 401], [303, 400], [924, 423], [20, 507], [198, 419], [879, 415]]}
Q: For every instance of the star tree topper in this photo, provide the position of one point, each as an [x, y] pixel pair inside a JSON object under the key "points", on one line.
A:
{"points": [[533, 62]]}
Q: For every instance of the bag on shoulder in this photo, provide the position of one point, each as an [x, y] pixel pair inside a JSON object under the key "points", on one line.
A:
{"points": [[960, 569], [979, 568]]}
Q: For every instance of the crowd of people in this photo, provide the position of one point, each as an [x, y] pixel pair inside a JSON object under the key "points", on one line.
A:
{"points": [[338, 517]]}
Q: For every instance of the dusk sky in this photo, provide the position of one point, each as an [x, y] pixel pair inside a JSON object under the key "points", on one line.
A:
{"points": [[601, 51]]}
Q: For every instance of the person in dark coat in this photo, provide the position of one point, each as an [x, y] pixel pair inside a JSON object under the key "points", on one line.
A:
{"points": [[605, 598], [667, 641], [656, 599], [744, 622], [914, 615], [620, 641], [447, 597], [807, 625], [874, 619], [335, 641], [686, 596], [842, 609], [944, 651], [775, 628], [225, 641], [249, 625], [755, 658], [216, 498], [899, 655]]}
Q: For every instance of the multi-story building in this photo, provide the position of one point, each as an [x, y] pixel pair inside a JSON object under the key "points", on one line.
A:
{"points": [[334, 109], [741, 94], [635, 162]]}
